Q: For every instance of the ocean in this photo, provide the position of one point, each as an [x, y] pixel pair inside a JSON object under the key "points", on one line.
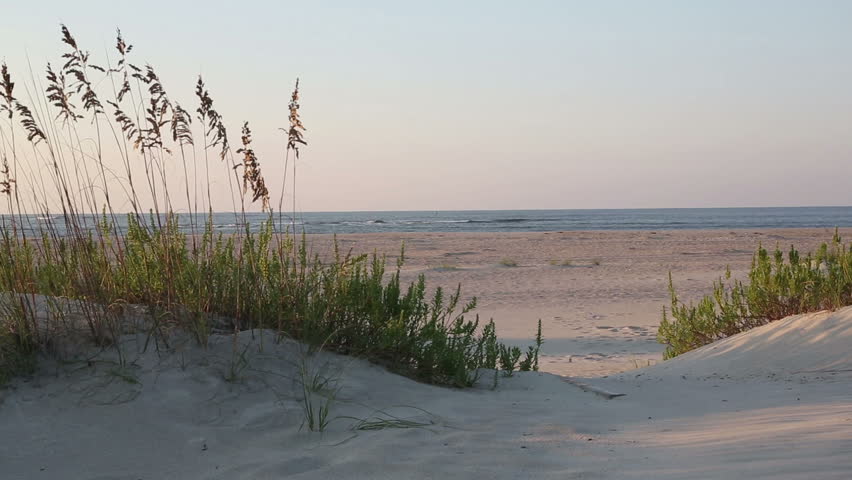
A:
{"points": [[536, 220]]}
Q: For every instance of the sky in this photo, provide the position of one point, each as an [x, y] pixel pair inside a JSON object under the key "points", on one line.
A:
{"points": [[504, 105]]}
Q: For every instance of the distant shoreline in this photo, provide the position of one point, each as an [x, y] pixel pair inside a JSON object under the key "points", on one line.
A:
{"points": [[505, 221]]}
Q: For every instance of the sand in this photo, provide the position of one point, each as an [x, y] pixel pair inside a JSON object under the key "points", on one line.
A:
{"points": [[770, 403], [597, 319]]}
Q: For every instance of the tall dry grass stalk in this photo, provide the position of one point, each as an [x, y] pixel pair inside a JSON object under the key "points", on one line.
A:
{"points": [[99, 140], [252, 178], [295, 139]]}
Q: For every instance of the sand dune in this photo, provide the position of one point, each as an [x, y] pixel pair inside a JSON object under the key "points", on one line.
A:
{"points": [[173, 415], [816, 344]]}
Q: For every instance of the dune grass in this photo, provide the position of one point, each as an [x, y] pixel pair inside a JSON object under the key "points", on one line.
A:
{"points": [[778, 286], [100, 138], [508, 262], [446, 267]]}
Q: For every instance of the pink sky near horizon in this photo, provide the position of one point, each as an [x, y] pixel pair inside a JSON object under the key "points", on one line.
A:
{"points": [[497, 105]]}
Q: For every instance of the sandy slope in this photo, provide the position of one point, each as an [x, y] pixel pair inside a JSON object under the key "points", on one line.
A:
{"points": [[173, 416]]}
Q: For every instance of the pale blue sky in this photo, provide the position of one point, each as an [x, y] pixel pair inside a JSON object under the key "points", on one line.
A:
{"points": [[540, 104]]}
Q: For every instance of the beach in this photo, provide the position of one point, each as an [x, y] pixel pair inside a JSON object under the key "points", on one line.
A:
{"points": [[599, 294], [769, 403], [398, 240]]}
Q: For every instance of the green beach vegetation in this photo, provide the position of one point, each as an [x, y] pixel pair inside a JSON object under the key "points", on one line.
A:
{"points": [[778, 286], [63, 236], [508, 262]]}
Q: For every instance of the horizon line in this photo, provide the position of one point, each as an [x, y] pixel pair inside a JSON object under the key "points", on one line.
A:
{"points": [[290, 213]]}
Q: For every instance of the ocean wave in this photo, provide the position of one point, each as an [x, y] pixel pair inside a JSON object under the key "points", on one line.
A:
{"points": [[525, 220]]}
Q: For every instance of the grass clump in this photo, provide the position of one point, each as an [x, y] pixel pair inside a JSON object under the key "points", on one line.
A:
{"points": [[62, 177], [446, 267], [319, 390], [778, 286], [530, 361], [384, 421], [510, 357], [508, 262]]}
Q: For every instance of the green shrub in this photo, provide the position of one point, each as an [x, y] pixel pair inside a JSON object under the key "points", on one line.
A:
{"points": [[778, 286], [509, 357], [348, 305]]}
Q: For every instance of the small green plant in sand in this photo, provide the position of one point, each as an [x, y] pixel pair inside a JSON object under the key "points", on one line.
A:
{"points": [[596, 262], [509, 357], [382, 420], [319, 390], [530, 361], [317, 410], [778, 286], [446, 267], [508, 262]]}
